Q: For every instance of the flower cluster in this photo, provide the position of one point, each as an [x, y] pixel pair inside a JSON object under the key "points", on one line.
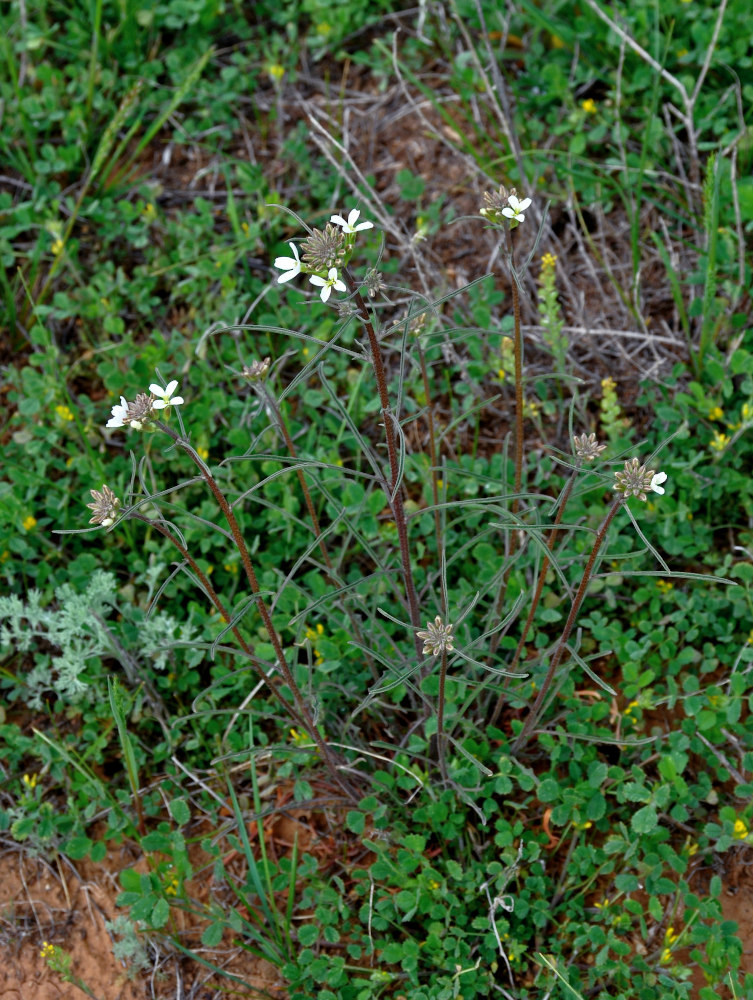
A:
{"points": [[635, 479], [504, 207], [105, 507], [325, 252], [586, 447], [256, 371], [141, 410], [437, 638]]}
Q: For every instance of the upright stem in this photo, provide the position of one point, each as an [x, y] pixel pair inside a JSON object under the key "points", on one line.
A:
{"points": [[533, 716], [441, 736], [303, 710], [272, 403], [432, 447], [518, 352], [217, 602], [287, 437], [537, 593], [396, 503], [519, 439]]}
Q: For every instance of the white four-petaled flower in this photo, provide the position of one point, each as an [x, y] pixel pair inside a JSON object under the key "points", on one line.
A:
{"points": [[660, 477], [350, 226], [515, 208], [119, 412], [165, 396], [328, 283], [290, 265]]}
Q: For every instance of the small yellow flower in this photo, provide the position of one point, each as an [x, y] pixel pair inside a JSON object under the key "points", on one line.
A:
{"points": [[681, 53], [323, 28], [64, 412], [434, 885], [171, 884], [630, 710], [29, 522], [31, 780], [548, 262], [584, 825], [246, 228], [47, 951], [6, 555], [149, 212], [315, 633], [203, 453], [691, 849], [747, 412], [720, 441], [665, 586], [608, 384], [300, 739], [603, 904], [750, 637], [589, 106], [666, 955], [740, 830], [231, 567], [716, 413], [57, 247], [276, 71], [670, 937]]}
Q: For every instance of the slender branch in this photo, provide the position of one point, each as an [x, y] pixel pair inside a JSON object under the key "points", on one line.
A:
{"points": [[283, 427], [432, 446], [396, 501], [519, 438], [330, 759], [223, 612], [441, 735], [537, 594], [533, 716]]}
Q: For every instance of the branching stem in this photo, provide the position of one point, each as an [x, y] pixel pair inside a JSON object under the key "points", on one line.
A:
{"points": [[533, 716], [396, 500]]}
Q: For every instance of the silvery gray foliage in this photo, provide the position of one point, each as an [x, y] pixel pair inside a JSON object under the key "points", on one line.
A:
{"points": [[87, 628]]}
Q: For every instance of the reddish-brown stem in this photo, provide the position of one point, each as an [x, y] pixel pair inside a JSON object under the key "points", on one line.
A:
{"points": [[441, 735], [272, 403], [396, 502], [302, 708], [432, 446], [217, 602], [519, 440], [533, 716], [537, 594], [287, 437], [518, 352]]}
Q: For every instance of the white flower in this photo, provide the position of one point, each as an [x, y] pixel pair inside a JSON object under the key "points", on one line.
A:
{"points": [[660, 477], [290, 265], [515, 208], [350, 226], [328, 283], [119, 412], [165, 396]]}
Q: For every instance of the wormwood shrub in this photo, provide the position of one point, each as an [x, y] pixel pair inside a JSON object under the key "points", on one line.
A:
{"points": [[81, 626], [440, 606]]}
